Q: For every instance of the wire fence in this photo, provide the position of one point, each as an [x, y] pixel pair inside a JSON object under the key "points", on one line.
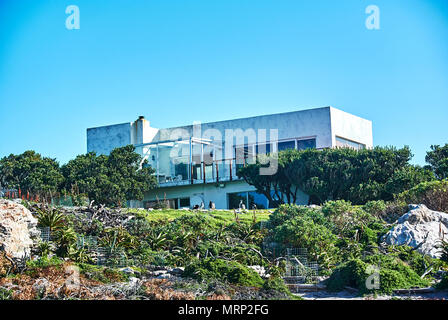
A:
{"points": [[299, 268]]}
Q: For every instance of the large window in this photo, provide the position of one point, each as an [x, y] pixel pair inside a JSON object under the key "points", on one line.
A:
{"points": [[171, 203], [249, 199], [184, 202], [284, 145], [306, 144], [263, 148], [345, 143]]}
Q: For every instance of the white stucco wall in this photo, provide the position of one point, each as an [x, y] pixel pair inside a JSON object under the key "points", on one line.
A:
{"points": [[351, 127], [208, 192], [103, 140], [297, 124]]}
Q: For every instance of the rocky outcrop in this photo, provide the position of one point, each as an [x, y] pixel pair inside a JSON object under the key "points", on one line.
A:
{"points": [[18, 229], [420, 228]]}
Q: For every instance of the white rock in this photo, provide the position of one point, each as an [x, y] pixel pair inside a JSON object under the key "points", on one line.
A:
{"points": [[159, 272], [419, 223], [17, 229], [260, 270], [164, 276]]}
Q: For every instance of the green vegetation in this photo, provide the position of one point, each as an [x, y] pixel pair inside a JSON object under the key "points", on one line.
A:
{"points": [[5, 294], [31, 172], [110, 180], [333, 174], [102, 274], [44, 262], [359, 192], [434, 194], [224, 270], [437, 159], [393, 274]]}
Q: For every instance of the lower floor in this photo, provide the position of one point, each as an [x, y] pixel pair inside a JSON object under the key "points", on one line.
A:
{"points": [[225, 195]]}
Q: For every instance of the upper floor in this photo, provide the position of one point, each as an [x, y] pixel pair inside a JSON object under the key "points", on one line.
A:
{"points": [[212, 152]]}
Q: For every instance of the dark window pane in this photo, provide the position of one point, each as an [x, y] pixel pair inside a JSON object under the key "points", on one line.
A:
{"points": [[263, 148], [306, 144], [236, 198], [286, 145], [257, 199], [181, 171], [184, 202]]}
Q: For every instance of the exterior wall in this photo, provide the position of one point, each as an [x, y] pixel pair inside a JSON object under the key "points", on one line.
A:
{"points": [[206, 193], [103, 140], [297, 124], [351, 127]]}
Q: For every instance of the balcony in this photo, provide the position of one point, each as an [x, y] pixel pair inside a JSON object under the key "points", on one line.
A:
{"points": [[188, 161]]}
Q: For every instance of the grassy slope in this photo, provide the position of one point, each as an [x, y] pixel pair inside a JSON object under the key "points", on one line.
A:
{"points": [[217, 216]]}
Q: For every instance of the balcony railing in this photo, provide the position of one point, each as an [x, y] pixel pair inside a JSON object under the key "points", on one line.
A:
{"points": [[215, 172]]}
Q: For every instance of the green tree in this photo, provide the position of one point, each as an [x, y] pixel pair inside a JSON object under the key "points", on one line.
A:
{"points": [[112, 179], [343, 173], [438, 160], [30, 171]]}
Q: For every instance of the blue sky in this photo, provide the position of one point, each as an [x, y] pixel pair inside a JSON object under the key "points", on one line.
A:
{"points": [[180, 61]]}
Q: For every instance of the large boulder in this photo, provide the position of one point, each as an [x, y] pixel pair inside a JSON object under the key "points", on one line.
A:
{"points": [[420, 228], [18, 230]]}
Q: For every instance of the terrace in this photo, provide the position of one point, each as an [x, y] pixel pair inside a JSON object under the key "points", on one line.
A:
{"points": [[188, 161]]}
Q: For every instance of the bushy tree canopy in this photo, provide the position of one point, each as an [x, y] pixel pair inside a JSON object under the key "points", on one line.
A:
{"points": [[332, 174], [109, 180], [438, 160], [30, 171]]}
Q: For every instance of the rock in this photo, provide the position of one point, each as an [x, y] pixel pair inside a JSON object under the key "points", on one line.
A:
{"points": [[17, 230], [164, 276], [127, 270], [260, 270], [177, 271], [159, 272], [40, 287], [420, 228]]}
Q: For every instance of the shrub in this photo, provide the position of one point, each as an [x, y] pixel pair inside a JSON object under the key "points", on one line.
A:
{"points": [[219, 269], [276, 284], [394, 210], [444, 250], [5, 294], [44, 262], [393, 274], [102, 274], [417, 261], [349, 274], [301, 227], [303, 232], [51, 218], [433, 194], [375, 208], [336, 208], [443, 284]]}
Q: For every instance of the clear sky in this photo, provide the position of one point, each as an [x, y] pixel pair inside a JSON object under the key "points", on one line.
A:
{"points": [[180, 61]]}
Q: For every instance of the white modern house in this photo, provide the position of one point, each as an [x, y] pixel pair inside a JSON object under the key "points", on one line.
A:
{"points": [[197, 164]]}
